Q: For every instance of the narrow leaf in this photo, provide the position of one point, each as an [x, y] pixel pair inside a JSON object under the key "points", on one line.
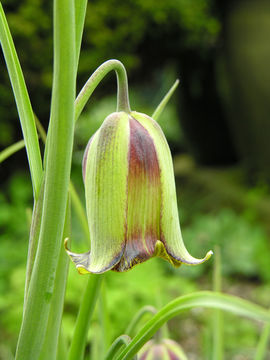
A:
{"points": [[10, 150], [205, 299], [24, 107], [156, 114], [57, 178], [261, 351], [80, 11]]}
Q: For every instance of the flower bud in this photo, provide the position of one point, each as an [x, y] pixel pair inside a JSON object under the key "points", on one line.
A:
{"points": [[130, 197], [166, 349]]}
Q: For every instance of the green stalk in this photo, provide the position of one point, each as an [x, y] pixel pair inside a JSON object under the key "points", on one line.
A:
{"points": [[262, 346], [156, 114], [24, 107], [62, 347], [88, 302], [104, 321], [95, 79], [50, 346], [10, 150], [205, 299], [218, 345], [37, 310]]}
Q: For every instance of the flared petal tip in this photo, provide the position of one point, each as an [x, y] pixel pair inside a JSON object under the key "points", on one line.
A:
{"points": [[194, 261], [180, 257], [85, 266], [208, 255], [78, 259]]}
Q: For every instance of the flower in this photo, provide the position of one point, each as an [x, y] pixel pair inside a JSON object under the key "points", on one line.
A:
{"points": [[165, 349], [130, 197]]}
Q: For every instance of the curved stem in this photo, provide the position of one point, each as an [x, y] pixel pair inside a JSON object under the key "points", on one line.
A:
{"points": [[205, 299], [94, 80], [88, 302], [136, 319], [122, 340]]}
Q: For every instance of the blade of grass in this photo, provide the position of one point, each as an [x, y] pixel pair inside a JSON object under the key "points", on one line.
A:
{"points": [[148, 309], [24, 107], [57, 175], [122, 340], [261, 351], [10, 150], [33, 240], [156, 114], [80, 11], [217, 351], [205, 299]]}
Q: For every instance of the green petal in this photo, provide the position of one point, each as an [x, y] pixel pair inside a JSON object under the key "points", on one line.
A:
{"points": [[106, 195], [170, 233], [105, 191]]}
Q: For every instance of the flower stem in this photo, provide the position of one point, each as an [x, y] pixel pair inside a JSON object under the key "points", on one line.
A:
{"points": [[95, 79], [218, 319], [88, 302]]}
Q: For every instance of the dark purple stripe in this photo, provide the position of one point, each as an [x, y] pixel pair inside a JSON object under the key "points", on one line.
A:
{"points": [[142, 152]]}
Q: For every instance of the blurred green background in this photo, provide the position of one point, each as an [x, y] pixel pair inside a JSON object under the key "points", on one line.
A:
{"points": [[218, 127]]}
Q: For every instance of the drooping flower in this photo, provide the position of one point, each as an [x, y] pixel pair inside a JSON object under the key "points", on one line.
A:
{"points": [[165, 349], [130, 197]]}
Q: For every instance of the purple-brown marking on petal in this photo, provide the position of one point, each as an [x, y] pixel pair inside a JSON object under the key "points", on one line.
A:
{"points": [[142, 152], [143, 198], [172, 355], [144, 355]]}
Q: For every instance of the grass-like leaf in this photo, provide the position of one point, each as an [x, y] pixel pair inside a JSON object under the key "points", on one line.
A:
{"points": [[24, 107], [10, 150], [261, 350], [161, 106], [205, 299]]}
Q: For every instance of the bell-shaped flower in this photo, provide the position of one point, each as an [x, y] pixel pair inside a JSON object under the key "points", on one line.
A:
{"points": [[130, 197], [165, 349]]}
